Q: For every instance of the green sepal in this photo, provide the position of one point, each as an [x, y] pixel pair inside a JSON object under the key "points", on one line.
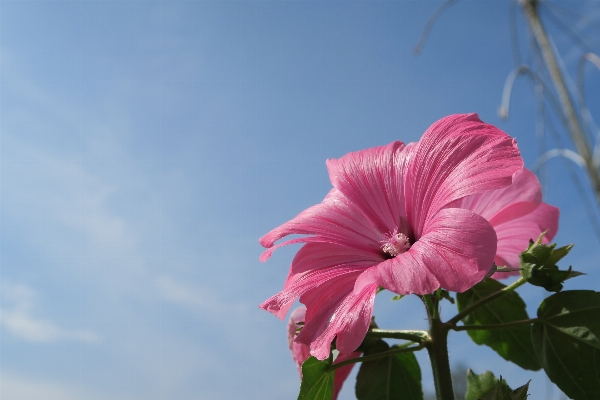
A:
{"points": [[538, 265], [550, 278], [444, 294], [397, 376], [520, 393], [486, 387], [512, 344], [502, 392], [479, 385], [566, 340], [317, 379]]}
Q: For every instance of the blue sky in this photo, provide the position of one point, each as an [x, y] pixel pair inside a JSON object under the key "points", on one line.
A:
{"points": [[147, 145]]}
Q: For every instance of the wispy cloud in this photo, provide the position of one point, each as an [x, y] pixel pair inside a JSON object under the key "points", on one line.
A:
{"points": [[194, 298], [17, 387], [16, 316]]}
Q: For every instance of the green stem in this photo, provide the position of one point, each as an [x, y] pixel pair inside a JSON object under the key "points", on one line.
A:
{"points": [[376, 356], [413, 336], [430, 306], [440, 364], [495, 326], [485, 300]]}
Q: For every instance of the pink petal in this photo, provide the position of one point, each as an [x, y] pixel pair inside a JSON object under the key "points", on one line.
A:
{"points": [[457, 156], [313, 265], [510, 202], [314, 256], [455, 252], [300, 352], [514, 235], [372, 179], [334, 310], [342, 373], [335, 220], [298, 285]]}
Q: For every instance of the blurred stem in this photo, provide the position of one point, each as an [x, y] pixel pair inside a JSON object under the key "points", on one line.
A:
{"points": [[569, 114]]}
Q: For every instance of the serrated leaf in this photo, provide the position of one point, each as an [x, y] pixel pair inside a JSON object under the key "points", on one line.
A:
{"points": [[389, 378], [317, 380], [512, 344], [567, 342]]}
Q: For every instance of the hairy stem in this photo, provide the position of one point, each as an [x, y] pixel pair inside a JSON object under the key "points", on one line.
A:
{"points": [[412, 335], [485, 300], [377, 356], [438, 354]]}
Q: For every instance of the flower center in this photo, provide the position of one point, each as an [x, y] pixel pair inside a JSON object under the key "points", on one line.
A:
{"points": [[395, 243]]}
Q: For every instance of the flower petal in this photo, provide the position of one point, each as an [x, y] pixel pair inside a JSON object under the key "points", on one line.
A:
{"points": [[335, 220], [455, 252], [514, 235], [334, 310], [313, 256], [510, 202], [457, 156], [373, 180], [342, 373], [300, 352], [313, 265]]}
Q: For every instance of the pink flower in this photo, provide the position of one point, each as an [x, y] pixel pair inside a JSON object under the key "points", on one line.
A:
{"points": [[517, 214], [300, 352], [387, 222]]}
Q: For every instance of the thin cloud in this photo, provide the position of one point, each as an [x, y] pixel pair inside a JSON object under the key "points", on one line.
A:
{"points": [[17, 318], [17, 387]]}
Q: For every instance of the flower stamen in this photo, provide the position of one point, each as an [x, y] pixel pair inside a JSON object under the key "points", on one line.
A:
{"points": [[395, 243]]}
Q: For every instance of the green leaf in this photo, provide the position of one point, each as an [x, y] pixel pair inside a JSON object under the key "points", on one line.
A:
{"points": [[397, 297], [567, 342], [395, 377], [479, 385], [512, 344], [317, 380]]}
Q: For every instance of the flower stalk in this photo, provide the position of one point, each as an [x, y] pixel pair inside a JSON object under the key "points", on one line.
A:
{"points": [[412, 335], [454, 320], [437, 348], [376, 356]]}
